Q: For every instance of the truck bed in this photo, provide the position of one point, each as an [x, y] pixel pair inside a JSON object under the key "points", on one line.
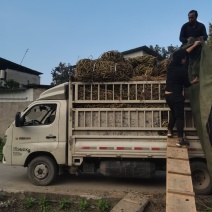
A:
{"points": [[123, 119]]}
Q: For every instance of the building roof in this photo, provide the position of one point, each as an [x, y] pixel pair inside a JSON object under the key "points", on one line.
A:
{"points": [[38, 86], [6, 64], [145, 49]]}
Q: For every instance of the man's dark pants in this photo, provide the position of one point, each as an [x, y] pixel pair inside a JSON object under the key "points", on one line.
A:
{"points": [[176, 104]]}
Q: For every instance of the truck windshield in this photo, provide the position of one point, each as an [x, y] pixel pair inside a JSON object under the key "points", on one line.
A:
{"points": [[42, 114]]}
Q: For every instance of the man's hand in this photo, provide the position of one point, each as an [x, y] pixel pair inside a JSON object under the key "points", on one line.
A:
{"points": [[196, 43], [194, 81], [189, 39], [200, 38]]}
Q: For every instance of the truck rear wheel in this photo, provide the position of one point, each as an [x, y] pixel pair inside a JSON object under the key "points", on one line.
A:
{"points": [[200, 178], [42, 171]]}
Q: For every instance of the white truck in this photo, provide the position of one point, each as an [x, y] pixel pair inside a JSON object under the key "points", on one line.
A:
{"points": [[112, 128]]}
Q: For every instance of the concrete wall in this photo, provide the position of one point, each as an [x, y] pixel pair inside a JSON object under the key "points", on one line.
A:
{"points": [[16, 95], [22, 78], [135, 54], [9, 107]]}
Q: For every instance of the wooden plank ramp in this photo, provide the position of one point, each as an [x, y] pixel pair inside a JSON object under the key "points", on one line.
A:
{"points": [[180, 195]]}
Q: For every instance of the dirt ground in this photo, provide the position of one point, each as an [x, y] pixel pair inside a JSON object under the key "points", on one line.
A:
{"points": [[22, 202], [157, 203]]}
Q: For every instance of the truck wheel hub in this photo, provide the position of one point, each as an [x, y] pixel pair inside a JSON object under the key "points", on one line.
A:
{"points": [[200, 179], [41, 171]]}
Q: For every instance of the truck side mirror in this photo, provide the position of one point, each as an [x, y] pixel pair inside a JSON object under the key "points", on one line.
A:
{"points": [[18, 121]]}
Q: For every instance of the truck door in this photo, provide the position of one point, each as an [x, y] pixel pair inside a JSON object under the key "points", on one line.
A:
{"points": [[38, 131]]}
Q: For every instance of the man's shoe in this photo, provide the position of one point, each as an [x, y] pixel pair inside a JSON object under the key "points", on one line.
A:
{"points": [[182, 142], [170, 133]]}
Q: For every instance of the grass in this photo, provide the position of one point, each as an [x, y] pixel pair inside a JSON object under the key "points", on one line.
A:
{"points": [[103, 205], [44, 204], [30, 202], [83, 205], [64, 204]]}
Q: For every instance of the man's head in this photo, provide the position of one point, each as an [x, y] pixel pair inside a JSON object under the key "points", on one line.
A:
{"points": [[192, 16], [179, 57]]}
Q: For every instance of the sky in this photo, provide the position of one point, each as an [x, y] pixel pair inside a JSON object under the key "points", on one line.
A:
{"points": [[40, 34]]}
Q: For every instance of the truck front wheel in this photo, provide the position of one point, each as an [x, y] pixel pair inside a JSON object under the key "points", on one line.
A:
{"points": [[42, 170], [200, 178]]}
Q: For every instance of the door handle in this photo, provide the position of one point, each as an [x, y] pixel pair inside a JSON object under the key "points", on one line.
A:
{"points": [[50, 136]]}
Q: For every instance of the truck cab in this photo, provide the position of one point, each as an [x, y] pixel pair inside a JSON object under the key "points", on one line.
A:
{"points": [[40, 130]]}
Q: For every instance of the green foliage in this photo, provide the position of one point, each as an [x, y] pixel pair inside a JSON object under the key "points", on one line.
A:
{"points": [[11, 84], [83, 205], [64, 204], [164, 52], [62, 73], [1, 196], [8, 204], [29, 202], [209, 41], [103, 205], [44, 204], [1, 149]]}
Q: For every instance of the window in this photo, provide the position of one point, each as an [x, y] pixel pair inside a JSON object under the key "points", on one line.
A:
{"points": [[43, 114]]}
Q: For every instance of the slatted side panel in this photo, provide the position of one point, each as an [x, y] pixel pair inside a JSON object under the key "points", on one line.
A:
{"points": [[179, 188], [126, 118], [117, 92], [147, 91]]}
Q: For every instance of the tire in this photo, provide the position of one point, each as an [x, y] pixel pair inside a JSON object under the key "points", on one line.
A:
{"points": [[42, 171], [200, 178]]}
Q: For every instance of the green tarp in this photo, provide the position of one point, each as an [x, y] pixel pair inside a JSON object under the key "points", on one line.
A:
{"points": [[200, 95]]}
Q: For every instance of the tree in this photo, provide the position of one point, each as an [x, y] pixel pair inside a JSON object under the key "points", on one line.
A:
{"points": [[165, 53], [62, 73], [209, 41], [11, 84]]}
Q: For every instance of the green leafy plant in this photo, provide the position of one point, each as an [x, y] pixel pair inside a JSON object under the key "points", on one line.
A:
{"points": [[29, 202], [7, 204], [84, 205], [1, 197], [11, 84], [44, 204], [1, 149], [102, 205], [64, 203]]}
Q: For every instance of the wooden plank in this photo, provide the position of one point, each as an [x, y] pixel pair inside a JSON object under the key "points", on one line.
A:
{"points": [[178, 166], [179, 187], [172, 141], [180, 203], [179, 182], [177, 152]]}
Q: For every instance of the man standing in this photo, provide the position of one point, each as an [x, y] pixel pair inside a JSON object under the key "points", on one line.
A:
{"points": [[177, 79], [193, 29]]}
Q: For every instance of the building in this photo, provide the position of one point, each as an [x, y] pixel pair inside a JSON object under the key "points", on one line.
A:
{"points": [[141, 51], [18, 73], [14, 100]]}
